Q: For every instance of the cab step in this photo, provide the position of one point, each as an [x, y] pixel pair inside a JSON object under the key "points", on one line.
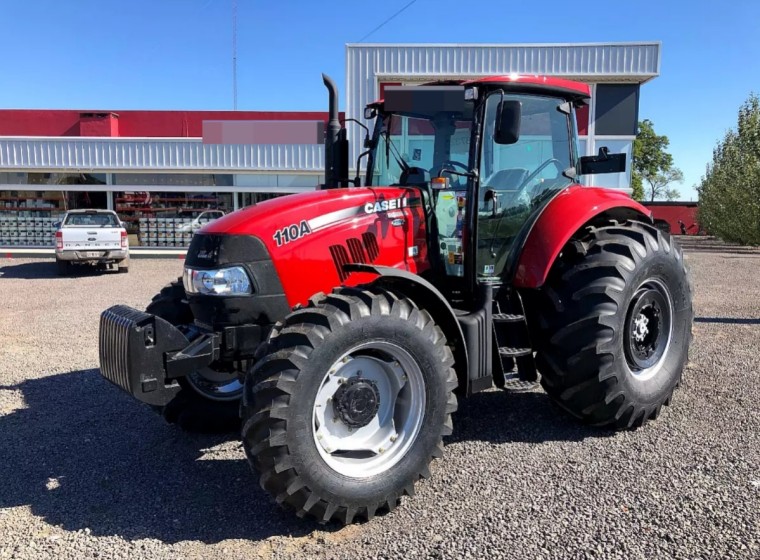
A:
{"points": [[512, 382], [510, 352], [508, 318]]}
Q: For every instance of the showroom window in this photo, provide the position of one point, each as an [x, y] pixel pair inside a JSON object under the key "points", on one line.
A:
{"points": [[173, 179], [168, 219], [285, 182], [28, 218]]}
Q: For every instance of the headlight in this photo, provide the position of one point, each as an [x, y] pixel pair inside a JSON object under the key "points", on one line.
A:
{"points": [[232, 281]]}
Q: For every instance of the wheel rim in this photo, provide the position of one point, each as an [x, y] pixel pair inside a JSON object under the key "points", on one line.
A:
{"points": [[648, 329], [216, 385], [369, 409]]}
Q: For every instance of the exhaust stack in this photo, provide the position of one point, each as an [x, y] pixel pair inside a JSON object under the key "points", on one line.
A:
{"points": [[336, 144]]}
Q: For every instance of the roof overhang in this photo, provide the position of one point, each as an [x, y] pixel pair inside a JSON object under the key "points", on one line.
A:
{"points": [[153, 154]]}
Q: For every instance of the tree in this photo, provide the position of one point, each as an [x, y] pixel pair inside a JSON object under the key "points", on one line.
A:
{"points": [[653, 169], [729, 192], [636, 187]]}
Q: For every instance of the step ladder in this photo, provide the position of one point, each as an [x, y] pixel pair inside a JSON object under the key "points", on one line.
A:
{"points": [[514, 368]]}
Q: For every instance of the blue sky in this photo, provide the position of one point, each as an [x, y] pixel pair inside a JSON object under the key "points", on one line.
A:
{"points": [[176, 54]]}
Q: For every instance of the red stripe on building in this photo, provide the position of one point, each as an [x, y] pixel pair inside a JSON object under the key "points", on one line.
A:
{"points": [[132, 124]]}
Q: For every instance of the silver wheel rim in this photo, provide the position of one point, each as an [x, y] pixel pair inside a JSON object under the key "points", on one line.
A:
{"points": [[361, 452], [645, 374], [216, 385]]}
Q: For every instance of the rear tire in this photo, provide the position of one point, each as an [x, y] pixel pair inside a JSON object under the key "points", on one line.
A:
{"points": [[616, 324], [124, 266], [63, 268], [328, 455], [189, 408]]}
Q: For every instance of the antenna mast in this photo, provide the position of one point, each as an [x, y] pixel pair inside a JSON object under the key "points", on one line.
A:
{"points": [[234, 55]]}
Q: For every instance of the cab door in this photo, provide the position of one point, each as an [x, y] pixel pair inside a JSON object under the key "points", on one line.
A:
{"points": [[518, 179]]}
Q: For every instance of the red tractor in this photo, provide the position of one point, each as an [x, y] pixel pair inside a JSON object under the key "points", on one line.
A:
{"points": [[341, 324]]}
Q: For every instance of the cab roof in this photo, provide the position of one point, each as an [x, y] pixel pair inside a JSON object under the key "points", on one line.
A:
{"points": [[524, 83]]}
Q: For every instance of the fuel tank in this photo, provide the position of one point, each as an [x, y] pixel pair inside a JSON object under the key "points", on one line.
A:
{"points": [[311, 236]]}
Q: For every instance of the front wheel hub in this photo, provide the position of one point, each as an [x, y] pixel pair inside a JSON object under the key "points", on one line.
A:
{"points": [[369, 408], [356, 402]]}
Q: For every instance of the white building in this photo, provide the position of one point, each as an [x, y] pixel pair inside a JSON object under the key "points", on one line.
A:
{"points": [[146, 164]]}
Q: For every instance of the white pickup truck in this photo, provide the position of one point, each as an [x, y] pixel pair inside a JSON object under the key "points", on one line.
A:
{"points": [[95, 237]]}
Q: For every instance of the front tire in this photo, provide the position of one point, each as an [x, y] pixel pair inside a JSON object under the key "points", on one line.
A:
{"points": [[197, 407], [616, 321], [348, 407]]}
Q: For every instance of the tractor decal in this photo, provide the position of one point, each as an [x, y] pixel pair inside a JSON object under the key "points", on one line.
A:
{"points": [[291, 233], [385, 205], [330, 218]]}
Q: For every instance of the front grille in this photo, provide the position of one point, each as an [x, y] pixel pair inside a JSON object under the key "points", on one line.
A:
{"points": [[115, 325]]}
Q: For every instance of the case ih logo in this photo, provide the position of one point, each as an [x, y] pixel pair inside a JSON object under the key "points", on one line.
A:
{"points": [[385, 205]]}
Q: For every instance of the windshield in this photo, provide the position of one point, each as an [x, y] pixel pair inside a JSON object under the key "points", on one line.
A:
{"points": [[91, 220], [413, 148]]}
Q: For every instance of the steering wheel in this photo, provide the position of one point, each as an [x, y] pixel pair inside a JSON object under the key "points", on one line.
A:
{"points": [[519, 190], [449, 163]]}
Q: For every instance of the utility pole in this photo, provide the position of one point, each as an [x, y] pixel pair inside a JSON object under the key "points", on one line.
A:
{"points": [[234, 55]]}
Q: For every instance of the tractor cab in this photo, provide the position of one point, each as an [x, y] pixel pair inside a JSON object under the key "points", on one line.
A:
{"points": [[487, 155]]}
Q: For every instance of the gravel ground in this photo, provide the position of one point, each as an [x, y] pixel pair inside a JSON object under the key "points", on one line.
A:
{"points": [[87, 472]]}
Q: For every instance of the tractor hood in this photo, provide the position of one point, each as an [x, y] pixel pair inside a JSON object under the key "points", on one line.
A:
{"points": [[311, 236], [320, 208]]}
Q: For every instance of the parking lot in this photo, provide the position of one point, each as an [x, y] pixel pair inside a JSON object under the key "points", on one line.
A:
{"points": [[85, 471]]}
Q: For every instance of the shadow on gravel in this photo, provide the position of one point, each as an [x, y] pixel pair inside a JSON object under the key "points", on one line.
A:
{"points": [[727, 320], [500, 416], [46, 269], [84, 455], [29, 271]]}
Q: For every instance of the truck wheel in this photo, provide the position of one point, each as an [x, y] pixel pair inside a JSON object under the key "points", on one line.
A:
{"points": [[62, 267], [123, 266], [209, 400], [617, 325], [347, 409]]}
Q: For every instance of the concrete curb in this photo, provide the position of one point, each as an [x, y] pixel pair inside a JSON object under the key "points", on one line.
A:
{"points": [[46, 253]]}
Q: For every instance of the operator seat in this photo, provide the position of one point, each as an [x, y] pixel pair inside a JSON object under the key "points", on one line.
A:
{"points": [[507, 179], [505, 183]]}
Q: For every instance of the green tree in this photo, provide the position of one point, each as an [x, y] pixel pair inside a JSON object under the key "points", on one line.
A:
{"points": [[653, 169], [636, 187], [729, 192]]}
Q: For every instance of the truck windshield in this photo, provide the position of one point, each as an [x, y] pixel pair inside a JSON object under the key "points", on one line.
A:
{"points": [[413, 148], [91, 220]]}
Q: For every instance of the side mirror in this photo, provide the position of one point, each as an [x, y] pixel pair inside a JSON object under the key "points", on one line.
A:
{"points": [[508, 117], [603, 163], [370, 113]]}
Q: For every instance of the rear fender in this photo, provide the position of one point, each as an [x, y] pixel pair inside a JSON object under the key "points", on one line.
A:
{"points": [[429, 298], [567, 213]]}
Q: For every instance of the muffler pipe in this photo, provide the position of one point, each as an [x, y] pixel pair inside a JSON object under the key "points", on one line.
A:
{"points": [[332, 136]]}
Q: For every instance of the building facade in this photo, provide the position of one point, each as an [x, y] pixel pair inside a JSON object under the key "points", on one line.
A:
{"points": [[155, 169], [676, 217]]}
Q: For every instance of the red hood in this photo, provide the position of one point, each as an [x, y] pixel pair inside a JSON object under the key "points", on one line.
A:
{"points": [[311, 236]]}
